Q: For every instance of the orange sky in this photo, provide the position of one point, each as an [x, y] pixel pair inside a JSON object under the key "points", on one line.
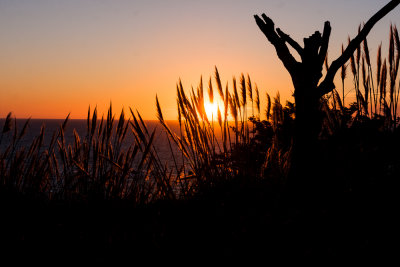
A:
{"points": [[59, 57]]}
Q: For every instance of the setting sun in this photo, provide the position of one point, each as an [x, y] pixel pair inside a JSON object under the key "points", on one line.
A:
{"points": [[211, 110]]}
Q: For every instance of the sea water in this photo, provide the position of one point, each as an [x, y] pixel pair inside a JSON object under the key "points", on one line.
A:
{"points": [[162, 146]]}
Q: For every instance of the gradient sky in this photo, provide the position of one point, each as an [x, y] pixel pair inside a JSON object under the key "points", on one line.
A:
{"points": [[60, 56]]}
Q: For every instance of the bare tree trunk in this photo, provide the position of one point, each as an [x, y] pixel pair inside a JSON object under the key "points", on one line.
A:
{"points": [[306, 77], [308, 124]]}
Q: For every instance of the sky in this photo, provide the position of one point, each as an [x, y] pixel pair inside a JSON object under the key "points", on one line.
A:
{"points": [[59, 57]]}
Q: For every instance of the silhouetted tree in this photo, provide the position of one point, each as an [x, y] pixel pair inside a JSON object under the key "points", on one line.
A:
{"points": [[306, 76]]}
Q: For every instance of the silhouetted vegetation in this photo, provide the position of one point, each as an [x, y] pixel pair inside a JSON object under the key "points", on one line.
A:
{"points": [[306, 76], [225, 191]]}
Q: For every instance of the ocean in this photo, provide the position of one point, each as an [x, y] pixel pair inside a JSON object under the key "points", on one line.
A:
{"points": [[160, 142]]}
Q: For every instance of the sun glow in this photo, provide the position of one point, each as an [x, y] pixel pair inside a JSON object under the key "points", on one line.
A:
{"points": [[211, 110]]}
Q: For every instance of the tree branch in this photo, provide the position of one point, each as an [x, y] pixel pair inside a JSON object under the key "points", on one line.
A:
{"points": [[286, 38], [268, 28], [325, 42], [327, 84]]}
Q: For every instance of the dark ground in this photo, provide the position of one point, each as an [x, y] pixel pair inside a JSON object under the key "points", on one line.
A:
{"points": [[349, 215]]}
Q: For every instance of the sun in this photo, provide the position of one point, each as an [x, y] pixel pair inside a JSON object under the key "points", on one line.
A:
{"points": [[211, 110]]}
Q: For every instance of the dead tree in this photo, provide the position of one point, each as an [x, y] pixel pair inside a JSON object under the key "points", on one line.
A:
{"points": [[306, 77]]}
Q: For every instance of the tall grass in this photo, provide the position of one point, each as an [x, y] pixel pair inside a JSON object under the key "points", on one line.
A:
{"points": [[377, 93], [216, 152], [94, 167]]}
